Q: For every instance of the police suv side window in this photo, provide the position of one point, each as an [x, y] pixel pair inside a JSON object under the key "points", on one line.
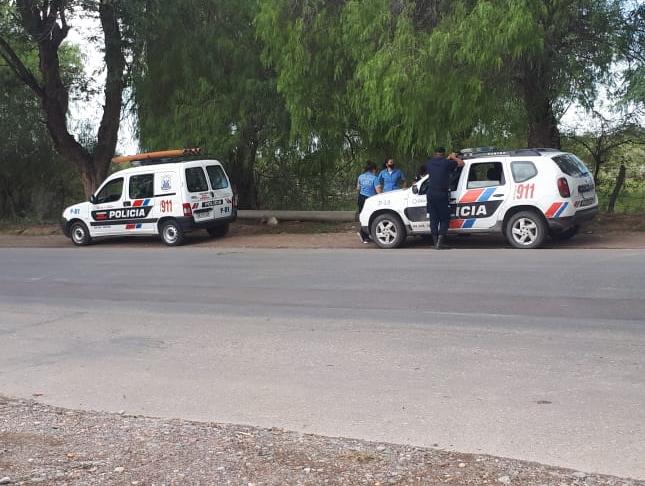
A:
{"points": [[523, 171], [485, 174], [111, 192], [196, 180], [142, 186]]}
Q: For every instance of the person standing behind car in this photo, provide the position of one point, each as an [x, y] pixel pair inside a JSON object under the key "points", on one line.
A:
{"points": [[366, 187], [390, 178], [440, 168]]}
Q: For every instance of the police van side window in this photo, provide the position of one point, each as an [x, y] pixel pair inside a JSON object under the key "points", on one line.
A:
{"points": [[111, 192], [523, 171], [485, 174], [196, 180], [142, 186]]}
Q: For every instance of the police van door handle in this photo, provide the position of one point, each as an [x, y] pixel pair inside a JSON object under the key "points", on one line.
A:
{"points": [[126, 203], [498, 195]]}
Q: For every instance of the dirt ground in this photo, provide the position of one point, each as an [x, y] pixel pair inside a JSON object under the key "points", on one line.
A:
{"points": [[40, 444], [620, 231]]}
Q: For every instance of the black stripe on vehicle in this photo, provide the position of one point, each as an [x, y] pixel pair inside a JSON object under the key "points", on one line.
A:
{"points": [[116, 222]]}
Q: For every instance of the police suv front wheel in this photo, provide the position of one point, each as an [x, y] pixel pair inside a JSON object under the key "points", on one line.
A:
{"points": [[388, 231], [526, 229], [171, 233], [79, 234]]}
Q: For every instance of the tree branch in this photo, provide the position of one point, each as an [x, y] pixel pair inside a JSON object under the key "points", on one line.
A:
{"points": [[18, 67]]}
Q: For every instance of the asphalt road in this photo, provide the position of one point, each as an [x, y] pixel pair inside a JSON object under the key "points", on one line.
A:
{"points": [[535, 355]]}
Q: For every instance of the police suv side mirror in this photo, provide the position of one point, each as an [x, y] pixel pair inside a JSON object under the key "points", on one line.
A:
{"points": [[93, 199], [415, 189]]}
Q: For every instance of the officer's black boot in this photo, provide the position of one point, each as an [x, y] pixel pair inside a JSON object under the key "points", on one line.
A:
{"points": [[441, 243]]}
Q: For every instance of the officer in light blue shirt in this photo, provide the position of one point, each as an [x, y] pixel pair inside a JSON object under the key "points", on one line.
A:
{"points": [[390, 178], [366, 187]]}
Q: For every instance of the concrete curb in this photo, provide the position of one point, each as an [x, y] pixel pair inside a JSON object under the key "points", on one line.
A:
{"points": [[323, 216]]}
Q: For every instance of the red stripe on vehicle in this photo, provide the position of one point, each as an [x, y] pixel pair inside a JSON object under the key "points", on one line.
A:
{"points": [[552, 210], [138, 203], [456, 223], [471, 196], [130, 226]]}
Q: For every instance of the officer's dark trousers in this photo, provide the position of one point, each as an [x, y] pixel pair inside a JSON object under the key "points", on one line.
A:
{"points": [[439, 211]]}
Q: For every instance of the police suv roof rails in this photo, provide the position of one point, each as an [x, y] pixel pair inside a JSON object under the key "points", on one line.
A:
{"points": [[160, 157], [471, 153]]}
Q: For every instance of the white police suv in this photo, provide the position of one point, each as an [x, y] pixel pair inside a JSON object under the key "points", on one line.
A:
{"points": [[525, 194], [165, 195]]}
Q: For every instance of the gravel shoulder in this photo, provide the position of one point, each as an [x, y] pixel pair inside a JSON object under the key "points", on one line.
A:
{"points": [[612, 232], [55, 446]]}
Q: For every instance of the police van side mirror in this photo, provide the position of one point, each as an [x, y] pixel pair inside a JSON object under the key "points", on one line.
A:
{"points": [[93, 199], [415, 189]]}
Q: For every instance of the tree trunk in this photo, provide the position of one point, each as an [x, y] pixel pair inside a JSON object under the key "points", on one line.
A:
{"points": [[620, 181], [47, 26], [542, 127], [242, 174]]}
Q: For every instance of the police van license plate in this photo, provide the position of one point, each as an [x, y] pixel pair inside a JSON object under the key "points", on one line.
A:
{"points": [[212, 203]]}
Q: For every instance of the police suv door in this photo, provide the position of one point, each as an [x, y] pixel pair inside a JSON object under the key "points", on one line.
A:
{"points": [[482, 191], [106, 209], [416, 209]]}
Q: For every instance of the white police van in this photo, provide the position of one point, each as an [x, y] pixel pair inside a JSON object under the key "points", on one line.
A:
{"points": [[166, 194], [525, 194]]}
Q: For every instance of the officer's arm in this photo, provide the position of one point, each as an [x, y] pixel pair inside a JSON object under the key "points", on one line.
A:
{"points": [[453, 156]]}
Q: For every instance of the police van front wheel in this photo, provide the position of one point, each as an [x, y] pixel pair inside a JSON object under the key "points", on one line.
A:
{"points": [[526, 229], [79, 234], [388, 231], [171, 233]]}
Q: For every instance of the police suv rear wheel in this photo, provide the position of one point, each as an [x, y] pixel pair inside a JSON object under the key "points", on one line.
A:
{"points": [[219, 230], [171, 233], [388, 231], [79, 234], [526, 229]]}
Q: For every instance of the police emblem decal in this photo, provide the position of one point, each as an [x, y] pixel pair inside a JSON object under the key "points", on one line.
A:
{"points": [[165, 183]]}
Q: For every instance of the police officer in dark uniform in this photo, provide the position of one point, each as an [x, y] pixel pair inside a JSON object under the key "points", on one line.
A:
{"points": [[440, 168]]}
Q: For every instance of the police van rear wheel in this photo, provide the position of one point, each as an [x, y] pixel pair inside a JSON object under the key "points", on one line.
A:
{"points": [[526, 229], [79, 234], [388, 231], [171, 233]]}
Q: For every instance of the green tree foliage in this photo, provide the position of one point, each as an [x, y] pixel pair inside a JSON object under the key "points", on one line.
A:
{"points": [[202, 83], [409, 73]]}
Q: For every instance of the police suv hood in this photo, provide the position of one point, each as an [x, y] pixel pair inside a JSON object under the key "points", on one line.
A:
{"points": [[394, 200]]}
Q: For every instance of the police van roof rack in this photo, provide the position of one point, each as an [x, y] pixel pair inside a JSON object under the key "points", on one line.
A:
{"points": [[491, 152], [161, 157]]}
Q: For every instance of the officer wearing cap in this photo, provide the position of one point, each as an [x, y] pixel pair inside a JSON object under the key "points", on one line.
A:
{"points": [[440, 168]]}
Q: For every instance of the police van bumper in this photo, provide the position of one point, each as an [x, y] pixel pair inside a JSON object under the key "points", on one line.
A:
{"points": [[64, 225], [188, 223], [581, 217]]}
